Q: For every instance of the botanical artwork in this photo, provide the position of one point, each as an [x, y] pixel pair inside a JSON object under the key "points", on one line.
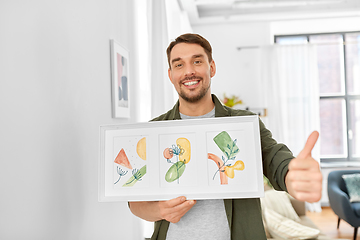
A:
{"points": [[176, 155], [228, 162], [215, 158], [122, 80], [129, 164]]}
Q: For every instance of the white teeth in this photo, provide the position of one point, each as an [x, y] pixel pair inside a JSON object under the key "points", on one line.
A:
{"points": [[191, 83]]}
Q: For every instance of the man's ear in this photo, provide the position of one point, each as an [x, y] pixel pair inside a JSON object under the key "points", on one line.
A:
{"points": [[212, 68], [169, 74]]}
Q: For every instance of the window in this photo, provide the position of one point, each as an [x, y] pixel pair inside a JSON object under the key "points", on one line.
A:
{"points": [[339, 78]]}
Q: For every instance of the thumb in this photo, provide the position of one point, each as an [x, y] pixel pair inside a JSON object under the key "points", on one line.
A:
{"points": [[309, 145]]}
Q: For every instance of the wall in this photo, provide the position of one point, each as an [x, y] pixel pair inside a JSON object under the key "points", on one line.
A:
{"points": [[54, 94], [321, 25], [237, 70]]}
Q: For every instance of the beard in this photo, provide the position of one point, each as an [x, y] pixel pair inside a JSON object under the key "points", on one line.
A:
{"points": [[193, 99]]}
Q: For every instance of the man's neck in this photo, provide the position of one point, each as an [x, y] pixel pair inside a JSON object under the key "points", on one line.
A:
{"points": [[199, 108]]}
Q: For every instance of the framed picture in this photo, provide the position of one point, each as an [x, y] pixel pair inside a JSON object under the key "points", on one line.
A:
{"points": [[213, 158], [120, 81]]}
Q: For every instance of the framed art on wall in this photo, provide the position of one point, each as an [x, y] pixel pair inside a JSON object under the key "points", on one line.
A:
{"points": [[120, 80], [213, 158]]}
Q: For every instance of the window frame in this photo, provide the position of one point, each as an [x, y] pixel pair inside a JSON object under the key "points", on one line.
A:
{"points": [[345, 96]]}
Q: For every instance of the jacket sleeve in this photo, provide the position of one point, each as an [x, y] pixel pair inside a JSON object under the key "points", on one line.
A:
{"points": [[160, 230], [276, 158]]}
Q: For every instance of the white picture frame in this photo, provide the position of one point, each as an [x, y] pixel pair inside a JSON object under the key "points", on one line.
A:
{"points": [[162, 160], [121, 81]]}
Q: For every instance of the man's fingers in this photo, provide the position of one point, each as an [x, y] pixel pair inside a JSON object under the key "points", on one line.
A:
{"points": [[177, 212], [308, 197], [172, 210], [308, 187], [174, 202], [309, 145], [184, 207], [304, 164], [305, 176]]}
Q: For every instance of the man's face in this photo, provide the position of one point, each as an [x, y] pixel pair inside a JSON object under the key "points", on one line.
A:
{"points": [[190, 71]]}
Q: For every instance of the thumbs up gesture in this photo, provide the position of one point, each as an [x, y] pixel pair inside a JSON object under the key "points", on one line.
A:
{"points": [[304, 179]]}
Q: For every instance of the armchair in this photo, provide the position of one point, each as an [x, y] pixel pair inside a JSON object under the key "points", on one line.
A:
{"points": [[340, 201]]}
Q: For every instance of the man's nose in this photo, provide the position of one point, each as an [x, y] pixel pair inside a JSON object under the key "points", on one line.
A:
{"points": [[189, 70]]}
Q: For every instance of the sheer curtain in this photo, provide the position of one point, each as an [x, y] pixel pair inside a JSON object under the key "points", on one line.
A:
{"points": [[290, 92], [162, 91], [166, 21], [154, 91], [157, 22]]}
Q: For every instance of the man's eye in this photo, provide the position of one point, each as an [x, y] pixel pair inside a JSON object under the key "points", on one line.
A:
{"points": [[178, 65], [197, 62]]}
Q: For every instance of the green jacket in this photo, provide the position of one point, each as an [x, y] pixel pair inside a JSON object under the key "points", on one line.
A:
{"points": [[244, 215]]}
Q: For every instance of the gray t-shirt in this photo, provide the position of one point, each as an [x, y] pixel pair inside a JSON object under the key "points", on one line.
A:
{"points": [[206, 220]]}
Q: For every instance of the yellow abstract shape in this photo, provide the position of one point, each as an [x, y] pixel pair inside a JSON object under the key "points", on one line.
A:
{"points": [[185, 147], [229, 170], [141, 148], [239, 165]]}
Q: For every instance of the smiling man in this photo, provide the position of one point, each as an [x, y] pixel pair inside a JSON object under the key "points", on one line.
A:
{"points": [[191, 68], [190, 71]]}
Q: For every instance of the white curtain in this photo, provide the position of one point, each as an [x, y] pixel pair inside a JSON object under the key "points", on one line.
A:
{"points": [[165, 21], [162, 91], [154, 91], [290, 92], [154, 20]]}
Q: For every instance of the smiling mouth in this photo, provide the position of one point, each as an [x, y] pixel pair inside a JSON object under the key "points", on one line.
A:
{"points": [[191, 83]]}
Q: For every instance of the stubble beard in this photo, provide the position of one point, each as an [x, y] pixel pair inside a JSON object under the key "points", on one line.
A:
{"points": [[196, 98]]}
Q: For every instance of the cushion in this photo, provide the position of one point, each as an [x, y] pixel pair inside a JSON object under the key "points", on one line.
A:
{"points": [[279, 202], [352, 182], [285, 228], [266, 228]]}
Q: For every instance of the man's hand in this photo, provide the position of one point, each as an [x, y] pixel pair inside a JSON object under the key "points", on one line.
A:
{"points": [[304, 179], [171, 210]]}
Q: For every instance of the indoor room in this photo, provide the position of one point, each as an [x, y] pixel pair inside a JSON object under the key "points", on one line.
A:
{"points": [[294, 63]]}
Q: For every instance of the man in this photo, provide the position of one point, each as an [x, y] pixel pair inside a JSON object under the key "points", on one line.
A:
{"points": [[191, 68]]}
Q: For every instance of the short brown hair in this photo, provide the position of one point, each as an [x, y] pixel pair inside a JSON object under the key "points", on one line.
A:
{"points": [[190, 38]]}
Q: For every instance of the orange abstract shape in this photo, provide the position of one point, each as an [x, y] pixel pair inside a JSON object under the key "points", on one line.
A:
{"points": [[168, 153], [122, 159], [220, 164]]}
